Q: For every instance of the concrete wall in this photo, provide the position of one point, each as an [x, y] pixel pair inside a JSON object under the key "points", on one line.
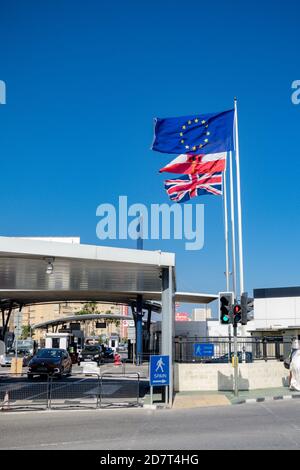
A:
{"points": [[256, 375]]}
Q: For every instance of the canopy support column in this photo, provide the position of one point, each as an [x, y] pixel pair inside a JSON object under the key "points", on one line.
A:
{"points": [[6, 322], [168, 309], [139, 330]]}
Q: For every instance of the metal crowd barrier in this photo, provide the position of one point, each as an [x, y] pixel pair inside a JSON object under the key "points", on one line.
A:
{"points": [[90, 390], [18, 392], [117, 396], [77, 391]]}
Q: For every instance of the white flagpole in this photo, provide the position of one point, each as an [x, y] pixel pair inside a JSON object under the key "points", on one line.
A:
{"points": [[226, 227], [239, 204], [232, 218]]}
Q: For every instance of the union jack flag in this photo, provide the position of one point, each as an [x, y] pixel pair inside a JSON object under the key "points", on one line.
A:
{"points": [[186, 187]]}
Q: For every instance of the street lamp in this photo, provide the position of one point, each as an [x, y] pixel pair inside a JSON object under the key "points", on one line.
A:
{"points": [[49, 268]]}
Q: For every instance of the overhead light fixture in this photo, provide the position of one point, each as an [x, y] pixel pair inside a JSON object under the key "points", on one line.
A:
{"points": [[50, 267]]}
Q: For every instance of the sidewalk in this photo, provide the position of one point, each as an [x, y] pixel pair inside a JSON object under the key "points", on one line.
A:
{"points": [[261, 395], [213, 398]]}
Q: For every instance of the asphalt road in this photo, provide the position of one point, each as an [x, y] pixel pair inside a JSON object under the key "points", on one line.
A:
{"points": [[272, 425]]}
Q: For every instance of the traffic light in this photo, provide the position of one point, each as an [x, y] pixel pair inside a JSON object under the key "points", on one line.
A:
{"points": [[237, 313], [225, 307], [246, 306]]}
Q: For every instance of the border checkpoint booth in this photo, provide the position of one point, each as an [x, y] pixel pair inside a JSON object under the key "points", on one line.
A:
{"points": [[34, 271]]}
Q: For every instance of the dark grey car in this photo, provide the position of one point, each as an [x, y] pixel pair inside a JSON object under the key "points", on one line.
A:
{"points": [[91, 352]]}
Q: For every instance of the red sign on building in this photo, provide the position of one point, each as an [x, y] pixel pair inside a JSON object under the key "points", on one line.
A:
{"points": [[182, 316]]}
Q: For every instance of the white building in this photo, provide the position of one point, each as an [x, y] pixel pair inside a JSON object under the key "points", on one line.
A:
{"points": [[201, 314], [216, 329], [276, 308]]}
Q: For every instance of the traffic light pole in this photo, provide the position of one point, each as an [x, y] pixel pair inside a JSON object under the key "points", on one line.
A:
{"points": [[236, 365], [232, 218], [226, 228], [239, 204]]}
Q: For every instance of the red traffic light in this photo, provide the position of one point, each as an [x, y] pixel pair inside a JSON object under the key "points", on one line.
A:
{"points": [[237, 314]]}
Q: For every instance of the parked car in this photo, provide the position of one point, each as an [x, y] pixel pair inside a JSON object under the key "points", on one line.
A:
{"points": [[91, 352], [51, 361], [26, 346], [5, 359], [225, 358], [122, 347], [108, 353]]}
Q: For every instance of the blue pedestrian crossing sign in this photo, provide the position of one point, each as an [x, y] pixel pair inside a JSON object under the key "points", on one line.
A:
{"points": [[159, 371], [204, 349]]}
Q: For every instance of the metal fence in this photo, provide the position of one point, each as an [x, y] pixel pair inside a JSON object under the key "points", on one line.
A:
{"points": [[91, 390], [249, 349]]}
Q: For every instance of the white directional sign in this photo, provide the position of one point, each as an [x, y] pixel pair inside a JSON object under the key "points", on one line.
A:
{"points": [[131, 331]]}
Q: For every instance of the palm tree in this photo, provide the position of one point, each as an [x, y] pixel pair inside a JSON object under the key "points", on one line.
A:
{"points": [[88, 308]]}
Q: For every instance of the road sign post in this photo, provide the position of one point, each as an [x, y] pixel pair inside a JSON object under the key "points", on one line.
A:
{"points": [[236, 366], [159, 375]]}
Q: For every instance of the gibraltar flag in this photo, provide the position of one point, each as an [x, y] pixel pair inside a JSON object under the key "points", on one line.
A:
{"points": [[186, 164]]}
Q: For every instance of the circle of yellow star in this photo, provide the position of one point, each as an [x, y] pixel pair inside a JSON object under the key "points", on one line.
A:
{"points": [[182, 141], [206, 140], [187, 146], [181, 134], [183, 127], [196, 120], [207, 133], [194, 148], [203, 122], [189, 122]]}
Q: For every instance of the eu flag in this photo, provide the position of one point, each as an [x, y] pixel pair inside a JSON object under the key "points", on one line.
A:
{"points": [[203, 133]]}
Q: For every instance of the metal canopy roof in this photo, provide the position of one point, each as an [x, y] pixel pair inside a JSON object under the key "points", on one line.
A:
{"points": [[81, 318], [82, 273], [195, 297]]}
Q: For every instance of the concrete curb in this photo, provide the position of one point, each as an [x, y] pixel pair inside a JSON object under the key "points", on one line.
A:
{"points": [[263, 399], [155, 407]]}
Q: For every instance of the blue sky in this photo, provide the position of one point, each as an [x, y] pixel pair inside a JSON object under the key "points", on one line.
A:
{"points": [[84, 81]]}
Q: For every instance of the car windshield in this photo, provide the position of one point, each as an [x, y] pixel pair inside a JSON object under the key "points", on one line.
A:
{"points": [[91, 349], [23, 350], [49, 353], [25, 344]]}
